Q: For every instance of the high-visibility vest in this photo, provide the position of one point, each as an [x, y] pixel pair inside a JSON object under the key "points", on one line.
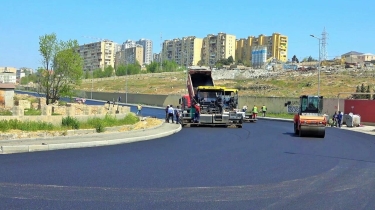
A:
{"points": [[139, 107], [255, 109], [264, 108]]}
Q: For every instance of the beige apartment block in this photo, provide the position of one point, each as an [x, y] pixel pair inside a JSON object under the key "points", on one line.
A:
{"points": [[185, 51], [130, 56], [8, 69], [276, 45], [216, 47], [97, 55]]}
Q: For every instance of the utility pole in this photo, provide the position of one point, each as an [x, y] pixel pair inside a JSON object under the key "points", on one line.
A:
{"points": [[161, 52], [318, 64]]}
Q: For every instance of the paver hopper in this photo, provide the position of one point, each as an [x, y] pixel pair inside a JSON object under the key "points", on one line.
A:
{"points": [[309, 121]]}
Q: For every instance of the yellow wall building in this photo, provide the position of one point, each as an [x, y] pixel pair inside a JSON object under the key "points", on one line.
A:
{"points": [[216, 47], [276, 44], [130, 56], [97, 55], [185, 51]]}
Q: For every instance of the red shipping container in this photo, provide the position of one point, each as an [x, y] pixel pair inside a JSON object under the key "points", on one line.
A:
{"points": [[363, 108]]}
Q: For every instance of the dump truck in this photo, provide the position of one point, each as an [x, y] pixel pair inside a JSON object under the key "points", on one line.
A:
{"points": [[214, 109], [309, 120]]}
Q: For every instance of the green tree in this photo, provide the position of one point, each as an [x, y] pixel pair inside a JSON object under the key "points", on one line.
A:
{"points": [[363, 90], [121, 70], [230, 60], [98, 73], [29, 78], [152, 67], [358, 90], [368, 91], [108, 71], [62, 67]]}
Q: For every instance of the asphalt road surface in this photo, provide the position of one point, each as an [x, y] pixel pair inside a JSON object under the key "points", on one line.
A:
{"points": [[261, 166]]}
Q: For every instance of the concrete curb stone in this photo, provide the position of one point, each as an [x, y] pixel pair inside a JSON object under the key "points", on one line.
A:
{"points": [[47, 147]]}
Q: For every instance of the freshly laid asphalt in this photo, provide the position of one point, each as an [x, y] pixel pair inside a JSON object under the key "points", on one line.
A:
{"points": [[260, 166]]}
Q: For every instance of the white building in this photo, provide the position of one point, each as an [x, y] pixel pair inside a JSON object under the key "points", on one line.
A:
{"points": [[8, 77], [147, 50], [128, 44]]}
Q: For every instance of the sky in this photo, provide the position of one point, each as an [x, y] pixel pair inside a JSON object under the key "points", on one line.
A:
{"points": [[349, 23]]}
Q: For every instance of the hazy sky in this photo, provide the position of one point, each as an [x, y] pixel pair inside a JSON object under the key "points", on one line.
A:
{"points": [[349, 23]]}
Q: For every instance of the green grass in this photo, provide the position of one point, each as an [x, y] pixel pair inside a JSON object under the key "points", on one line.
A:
{"points": [[68, 123], [98, 123], [279, 115], [32, 112], [5, 113], [6, 125]]}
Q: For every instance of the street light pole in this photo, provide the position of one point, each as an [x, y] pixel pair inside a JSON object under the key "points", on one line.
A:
{"points": [[318, 64], [92, 82]]}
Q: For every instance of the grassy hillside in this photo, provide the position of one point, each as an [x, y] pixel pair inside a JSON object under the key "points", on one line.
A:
{"points": [[285, 84]]}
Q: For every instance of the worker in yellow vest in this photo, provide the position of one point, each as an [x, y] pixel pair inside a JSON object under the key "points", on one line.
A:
{"points": [[139, 109], [255, 112], [264, 110]]}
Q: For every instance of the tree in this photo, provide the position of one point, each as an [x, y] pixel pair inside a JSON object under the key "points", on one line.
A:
{"points": [[368, 91], [230, 60], [121, 70], [108, 71], [363, 90], [62, 67], [295, 59]]}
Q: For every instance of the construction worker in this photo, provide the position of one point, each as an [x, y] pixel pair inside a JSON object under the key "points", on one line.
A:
{"points": [[139, 109], [264, 110], [197, 112], [244, 108], [177, 114], [170, 113], [255, 112], [166, 113]]}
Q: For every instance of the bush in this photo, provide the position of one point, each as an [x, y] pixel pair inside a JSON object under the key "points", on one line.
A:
{"points": [[96, 123], [70, 122]]}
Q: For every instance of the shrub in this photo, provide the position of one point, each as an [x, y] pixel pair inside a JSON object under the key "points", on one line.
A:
{"points": [[70, 122]]}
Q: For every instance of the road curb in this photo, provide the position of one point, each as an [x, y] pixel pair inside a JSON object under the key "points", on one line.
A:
{"points": [[47, 147]]}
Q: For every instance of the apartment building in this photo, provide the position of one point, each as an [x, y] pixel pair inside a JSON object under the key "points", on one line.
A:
{"points": [[129, 56], [128, 44], [97, 55], [216, 47], [156, 57], [8, 69], [147, 50], [274, 46], [8, 77], [185, 51]]}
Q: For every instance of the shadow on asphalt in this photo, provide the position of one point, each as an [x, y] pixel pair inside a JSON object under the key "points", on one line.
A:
{"points": [[291, 134]]}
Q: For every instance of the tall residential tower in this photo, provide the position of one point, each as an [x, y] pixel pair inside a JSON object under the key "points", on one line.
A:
{"points": [[147, 50]]}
